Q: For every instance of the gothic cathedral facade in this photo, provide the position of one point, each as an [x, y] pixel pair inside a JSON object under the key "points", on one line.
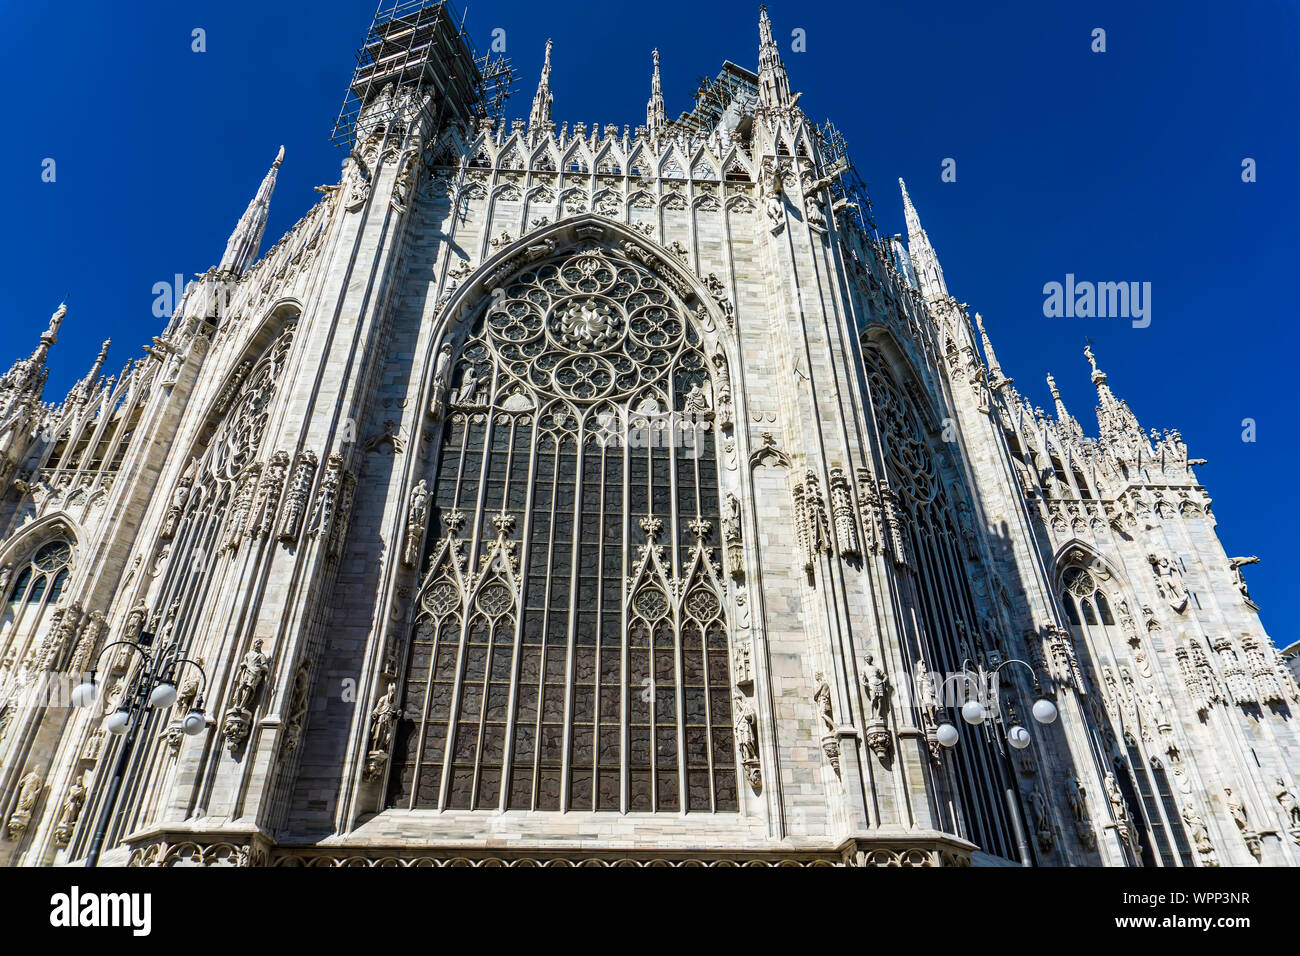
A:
{"points": [[566, 496]]}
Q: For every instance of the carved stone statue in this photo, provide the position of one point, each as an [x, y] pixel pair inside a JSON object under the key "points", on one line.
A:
{"points": [[172, 521], [417, 519], [876, 684], [1236, 810], [773, 200], [746, 726], [816, 219], [29, 791], [1078, 799], [468, 387], [383, 716], [967, 525], [441, 376], [1200, 834], [296, 711], [1290, 806], [731, 518], [135, 621], [1235, 565], [70, 812], [1118, 808], [188, 691], [825, 707], [775, 210], [746, 730], [1042, 820], [697, 399], [249, 677], [926, 692], [1168, 584]]}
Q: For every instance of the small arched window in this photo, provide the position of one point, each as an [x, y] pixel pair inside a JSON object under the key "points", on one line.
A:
{"points": [[1084, 600], [46, 572], [30, 596]]}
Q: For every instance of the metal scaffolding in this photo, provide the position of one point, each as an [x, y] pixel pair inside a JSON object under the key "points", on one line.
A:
{"points": [[849, 185], [422, 46], [721, 102]]}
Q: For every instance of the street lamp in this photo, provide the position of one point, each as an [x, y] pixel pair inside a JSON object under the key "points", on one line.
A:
{"points": [[974, 711], [154, 689]]}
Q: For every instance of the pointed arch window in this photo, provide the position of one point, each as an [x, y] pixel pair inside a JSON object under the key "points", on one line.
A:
{"points": [[954, 631], [1155, 824], [1084, 600], [47, 571], [1175, 818], [32, 596], [578, 481]]}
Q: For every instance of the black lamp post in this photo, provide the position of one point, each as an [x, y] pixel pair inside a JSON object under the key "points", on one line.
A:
{"points": [[154, 688], [976, 710]]}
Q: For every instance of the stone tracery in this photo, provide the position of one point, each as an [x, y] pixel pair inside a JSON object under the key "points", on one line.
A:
{"points": [[572, 652]]}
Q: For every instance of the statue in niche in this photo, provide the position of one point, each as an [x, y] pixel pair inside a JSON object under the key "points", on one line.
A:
{"points": [[29, 791], [1078, 801], [468, 387], [417, 518], [383, 717], [746, 730], [1236, 810], [825, 707], [135, 621], [1118, 808], [927, 693], [441, 376], [1042, 821], [1200, 834], [1290, 806], [876, 684], [70, 812], [249, 677]]}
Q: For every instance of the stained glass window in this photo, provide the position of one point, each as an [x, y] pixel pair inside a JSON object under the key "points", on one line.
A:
{"points": [[577, 493]]}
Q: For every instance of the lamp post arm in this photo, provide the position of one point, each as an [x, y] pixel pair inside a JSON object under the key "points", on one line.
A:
{"points": [[104, 650], [1015, 660], [203, 685]]}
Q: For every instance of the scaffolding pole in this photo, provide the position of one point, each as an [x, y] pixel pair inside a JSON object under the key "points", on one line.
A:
{"points": [[421, 46]]}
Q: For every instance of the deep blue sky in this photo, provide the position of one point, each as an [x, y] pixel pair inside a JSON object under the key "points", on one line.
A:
{"points": [[1117, 166]]}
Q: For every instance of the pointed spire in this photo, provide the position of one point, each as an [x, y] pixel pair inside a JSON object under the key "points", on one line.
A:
{"points": [[996, 378], [656, 117], [49, 337], [1062, 413], [1113, 415], [924, 259], [242, 248], [81, 392], [542, 100], [1099, 378], [25, 380], [909, 212], [773, 83]]}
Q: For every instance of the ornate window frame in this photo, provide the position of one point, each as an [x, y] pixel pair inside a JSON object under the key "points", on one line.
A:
{"points": [[560, 371]]}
